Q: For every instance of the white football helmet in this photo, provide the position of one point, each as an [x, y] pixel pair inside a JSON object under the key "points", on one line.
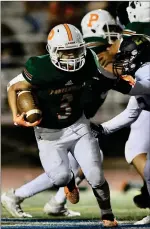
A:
{"points": [[138, 11], [99, 23], [66, 47]]}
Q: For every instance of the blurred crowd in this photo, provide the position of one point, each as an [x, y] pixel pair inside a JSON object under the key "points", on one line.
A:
{"points": [[23, 22]]}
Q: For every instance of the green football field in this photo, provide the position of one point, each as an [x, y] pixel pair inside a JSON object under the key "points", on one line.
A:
{"points": [[122, 204]]}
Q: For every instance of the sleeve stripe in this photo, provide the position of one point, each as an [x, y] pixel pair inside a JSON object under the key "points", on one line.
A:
{"points": [[27, 74], [128, 32]]}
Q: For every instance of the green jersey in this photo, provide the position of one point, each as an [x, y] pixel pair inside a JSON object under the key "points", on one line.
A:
{"points": [[97, 45], [53, 85], [137, 27]]}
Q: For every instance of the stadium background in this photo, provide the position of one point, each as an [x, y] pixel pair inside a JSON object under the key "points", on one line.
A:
{"points": [[24, 29]]}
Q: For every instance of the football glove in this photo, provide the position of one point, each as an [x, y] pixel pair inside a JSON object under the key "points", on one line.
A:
{"points": [[97, 130]]}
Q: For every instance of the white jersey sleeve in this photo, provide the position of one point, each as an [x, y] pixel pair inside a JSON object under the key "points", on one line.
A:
{"points": [[16, 79], [142, 85], [125, 118]]}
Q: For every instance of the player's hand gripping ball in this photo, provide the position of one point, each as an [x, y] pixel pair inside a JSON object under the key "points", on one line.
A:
{"points": [[27, 103]]}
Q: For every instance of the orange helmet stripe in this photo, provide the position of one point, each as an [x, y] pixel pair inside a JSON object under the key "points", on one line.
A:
{"points": [[68, 32], [51, 34]]}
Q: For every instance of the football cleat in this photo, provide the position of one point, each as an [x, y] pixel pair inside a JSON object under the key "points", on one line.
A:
{"points": [[58, 209], [72, 194], [142, 200], [108, 223], [12, 204], [108, 220], [145, 220]]}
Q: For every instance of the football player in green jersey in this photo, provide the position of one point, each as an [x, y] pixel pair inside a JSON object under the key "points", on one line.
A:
{"points": [[60, 80], [99, 31]]}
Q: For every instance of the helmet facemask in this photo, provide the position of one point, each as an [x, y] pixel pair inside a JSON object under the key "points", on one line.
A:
{"points": [[132, 54], [66, 47], [109, 32], [71, 59], [124, 63], [112, 32]]}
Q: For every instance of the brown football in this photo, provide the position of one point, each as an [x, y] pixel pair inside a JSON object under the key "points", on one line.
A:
{"points": [[27, 102]]}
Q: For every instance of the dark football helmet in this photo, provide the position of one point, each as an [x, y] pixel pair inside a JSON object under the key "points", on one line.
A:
{"points": [[133, 53]]}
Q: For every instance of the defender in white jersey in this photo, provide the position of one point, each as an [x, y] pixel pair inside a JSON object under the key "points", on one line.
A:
{"points": [[137, 62], [135, 18], [128, 62]]}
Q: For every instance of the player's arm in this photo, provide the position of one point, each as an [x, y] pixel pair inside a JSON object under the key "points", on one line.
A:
{"points": [[106, 78], [126, 84], [141, 87], [91, 98], [109, 81], [138, 86], [18, 84], [107, 56], [125, 118]]}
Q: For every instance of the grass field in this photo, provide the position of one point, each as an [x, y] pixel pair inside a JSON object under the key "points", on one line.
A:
{"points": [[124, 209]]}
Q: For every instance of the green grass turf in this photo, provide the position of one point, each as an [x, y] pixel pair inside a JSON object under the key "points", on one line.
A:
{"points": [[122, 204]]}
